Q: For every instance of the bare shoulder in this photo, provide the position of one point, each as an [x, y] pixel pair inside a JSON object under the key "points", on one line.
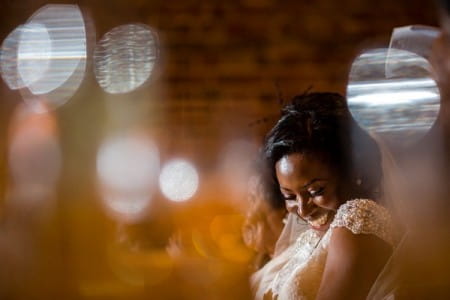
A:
{"points": [[343, 241], [357, 252], [353, 263]]}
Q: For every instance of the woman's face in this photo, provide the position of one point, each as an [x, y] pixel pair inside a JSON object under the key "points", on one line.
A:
{"points": [[309, 188]]}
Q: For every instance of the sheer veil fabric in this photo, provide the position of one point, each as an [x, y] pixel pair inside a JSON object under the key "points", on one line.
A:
{"points": [[385, 285]]}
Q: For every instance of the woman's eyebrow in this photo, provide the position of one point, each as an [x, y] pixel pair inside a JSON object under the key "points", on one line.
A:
{"points": [[286, 189], [306, 185], [314, 180]]}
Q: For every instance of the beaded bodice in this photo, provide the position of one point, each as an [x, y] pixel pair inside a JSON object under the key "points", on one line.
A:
{"points": [[364, 216]]}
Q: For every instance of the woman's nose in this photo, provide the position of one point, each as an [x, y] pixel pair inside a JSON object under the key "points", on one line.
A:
{"points": [[303, 207], [292, 206]]}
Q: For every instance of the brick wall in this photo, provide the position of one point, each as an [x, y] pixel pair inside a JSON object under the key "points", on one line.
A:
{"points": [[221, 60]]}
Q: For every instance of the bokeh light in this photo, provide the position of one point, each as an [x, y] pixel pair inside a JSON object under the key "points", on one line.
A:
{"points": [[127, 167], [223, 229], [178, 180], [402, 105], [124, 58], [236, 167], [34, 155], [139, 267]]}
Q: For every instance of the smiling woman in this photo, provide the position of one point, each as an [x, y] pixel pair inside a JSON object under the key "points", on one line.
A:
{"points": [[326, 170]]}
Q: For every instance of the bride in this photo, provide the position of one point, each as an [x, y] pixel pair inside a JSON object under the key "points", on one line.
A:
{"points": [[327, 172]]}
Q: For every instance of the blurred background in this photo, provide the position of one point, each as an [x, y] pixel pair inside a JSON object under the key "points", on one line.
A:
{"points": [[116, 189]]}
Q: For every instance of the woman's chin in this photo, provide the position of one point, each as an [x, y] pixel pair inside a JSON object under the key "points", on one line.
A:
{"points": [[321, 223], [320, 228]]}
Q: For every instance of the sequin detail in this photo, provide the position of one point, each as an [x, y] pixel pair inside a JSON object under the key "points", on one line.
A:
{"points": [[363, 216]]}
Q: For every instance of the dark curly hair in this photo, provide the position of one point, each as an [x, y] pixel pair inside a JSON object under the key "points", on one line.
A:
{"points": [[320, 125]]}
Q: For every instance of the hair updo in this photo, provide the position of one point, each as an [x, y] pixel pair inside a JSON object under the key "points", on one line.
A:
{"points": [[321, 126]]}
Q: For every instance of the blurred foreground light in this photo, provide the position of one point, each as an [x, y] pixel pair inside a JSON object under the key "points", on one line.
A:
{"points": [[178, 180], [236, 167], [139, 267], [127, 168], [47, 55], [34, 154], [226, 231], [390, 92], [124, 58]]}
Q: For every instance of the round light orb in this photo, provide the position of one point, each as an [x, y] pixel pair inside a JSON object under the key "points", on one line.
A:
{"points": [[390, 92], [124, 58], [128, 162], [178, 180], [127, 168]]}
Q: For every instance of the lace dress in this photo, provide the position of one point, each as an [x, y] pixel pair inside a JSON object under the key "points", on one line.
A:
{"points": [[296, 272]]}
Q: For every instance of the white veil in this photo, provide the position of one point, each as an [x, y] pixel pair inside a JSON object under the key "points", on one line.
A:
{"points": [[392, 197], [293, 227]]}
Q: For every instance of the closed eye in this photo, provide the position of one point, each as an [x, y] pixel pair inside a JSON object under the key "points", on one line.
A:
{"points": [[318, 192], [289, 197]]}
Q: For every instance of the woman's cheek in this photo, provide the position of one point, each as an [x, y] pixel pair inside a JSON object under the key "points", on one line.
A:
{"points": [[327, 202]]}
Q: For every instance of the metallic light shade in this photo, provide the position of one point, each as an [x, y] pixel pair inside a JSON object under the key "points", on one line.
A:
{"points": [[390, 90], [46, 57], [124, 58], [9, 60], [64, 26], [402, 106]]}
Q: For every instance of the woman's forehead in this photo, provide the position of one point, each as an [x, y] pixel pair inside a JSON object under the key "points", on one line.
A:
{"points": [[301, 168]]}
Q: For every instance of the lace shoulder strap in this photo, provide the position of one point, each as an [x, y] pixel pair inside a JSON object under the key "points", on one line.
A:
{"points": [[363, 216]]}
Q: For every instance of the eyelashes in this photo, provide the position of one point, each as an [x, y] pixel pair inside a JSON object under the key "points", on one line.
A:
{"points": [[310, 194], [287, 198], [317, 193]]}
